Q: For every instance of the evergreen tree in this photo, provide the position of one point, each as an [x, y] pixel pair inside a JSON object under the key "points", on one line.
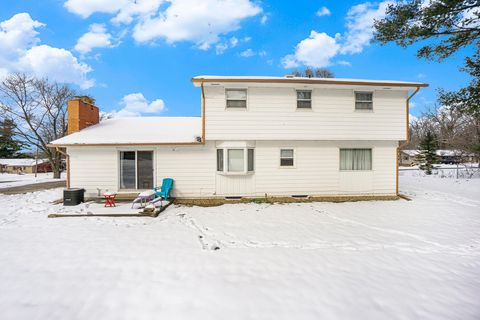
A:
{"points": [[9, 147], [428, 152]]}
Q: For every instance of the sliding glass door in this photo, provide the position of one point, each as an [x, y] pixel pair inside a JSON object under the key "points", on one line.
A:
{"points": [[136, 169]]}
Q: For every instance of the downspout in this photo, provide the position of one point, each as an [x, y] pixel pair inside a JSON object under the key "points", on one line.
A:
{"points": [[203, 113], [67, 158], [407, 110]]}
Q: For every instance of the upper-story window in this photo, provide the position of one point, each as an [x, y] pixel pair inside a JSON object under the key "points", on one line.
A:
{"points": [[236, 98], [304, 99], [363, 100]]}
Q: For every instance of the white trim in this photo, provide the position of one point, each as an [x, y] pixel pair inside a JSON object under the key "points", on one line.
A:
{"points": [[311, 99], [354, 147], [280, 158], [154, 168], [236, 108], [355, 101]]}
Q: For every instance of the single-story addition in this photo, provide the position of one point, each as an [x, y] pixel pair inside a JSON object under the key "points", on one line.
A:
{"points": [[26, 165], [256, 137]]}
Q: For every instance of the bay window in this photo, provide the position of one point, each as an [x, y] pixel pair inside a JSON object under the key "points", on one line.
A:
{"points": [[235, 160]]}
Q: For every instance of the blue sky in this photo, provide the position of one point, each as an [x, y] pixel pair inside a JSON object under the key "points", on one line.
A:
{"points": [[136, 57]]}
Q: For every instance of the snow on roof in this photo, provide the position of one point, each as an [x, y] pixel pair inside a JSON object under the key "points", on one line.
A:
{"points": [[137, 130], [411, 153], [345, 81], [26, 162]]}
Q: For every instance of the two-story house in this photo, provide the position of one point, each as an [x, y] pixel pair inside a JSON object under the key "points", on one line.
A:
{"points": [[257, 136]]}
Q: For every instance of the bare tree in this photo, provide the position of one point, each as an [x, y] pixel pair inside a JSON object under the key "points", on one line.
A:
{"points": [[38, 109], [454, 129], [317, 73]]}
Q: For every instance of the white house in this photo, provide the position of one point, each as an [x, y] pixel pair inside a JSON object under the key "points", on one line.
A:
{"points": [[257, 136]]}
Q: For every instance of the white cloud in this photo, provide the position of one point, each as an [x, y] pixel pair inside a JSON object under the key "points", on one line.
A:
{"points": [[135, 104], [138, 8], [344, 63], [250, 53], [323, 11], [201, 22], [412, 118], [96, 37], [125, 10], [247, 53], [360, 19], [315, 51], [85, 8], [264, 19], [319, 49], [55, 63], [421, 75], [20, 52], [221, 47]]}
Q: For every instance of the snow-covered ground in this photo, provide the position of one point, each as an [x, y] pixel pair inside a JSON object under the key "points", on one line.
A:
{"points": [[8, 180], [416, 259]]}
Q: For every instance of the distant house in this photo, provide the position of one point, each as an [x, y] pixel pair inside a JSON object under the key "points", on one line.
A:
{"points": [[408, 157], [257, 136], [26, 165]]}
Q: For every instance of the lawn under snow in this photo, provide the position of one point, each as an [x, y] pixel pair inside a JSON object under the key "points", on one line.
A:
{"points": [[416, 259], [8, 180]]}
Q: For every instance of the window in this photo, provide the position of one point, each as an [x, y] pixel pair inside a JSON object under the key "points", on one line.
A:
{"points": [[250, 167], [136, 169], [236, 98], [304, 99], [219, 159], [235, 160], [286, 158], [363, 100], [355, 159]]}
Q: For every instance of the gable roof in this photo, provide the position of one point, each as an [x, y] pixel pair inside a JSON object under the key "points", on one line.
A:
{"points": [[302, 80], [136, 131]]}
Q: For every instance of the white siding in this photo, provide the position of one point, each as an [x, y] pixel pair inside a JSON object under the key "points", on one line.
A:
{"points": [[193, 168], [272, 115], [317, 172], [92, 168]]}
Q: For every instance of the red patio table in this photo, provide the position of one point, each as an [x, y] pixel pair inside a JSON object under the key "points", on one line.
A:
{"points": [[109, 199]]}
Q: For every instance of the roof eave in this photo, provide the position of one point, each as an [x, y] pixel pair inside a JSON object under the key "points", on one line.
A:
{"points": [[126, 144], [198, 81]]}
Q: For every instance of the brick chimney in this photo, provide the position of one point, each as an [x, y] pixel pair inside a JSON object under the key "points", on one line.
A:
{"points": [[82, 113]]}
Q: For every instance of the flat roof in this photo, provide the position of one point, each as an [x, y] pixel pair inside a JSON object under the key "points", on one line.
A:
{"points": [[136, 131], [302, 80]]}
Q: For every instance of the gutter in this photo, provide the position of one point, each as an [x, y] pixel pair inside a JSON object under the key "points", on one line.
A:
{"points": [[407, 111], [203, 113]]}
